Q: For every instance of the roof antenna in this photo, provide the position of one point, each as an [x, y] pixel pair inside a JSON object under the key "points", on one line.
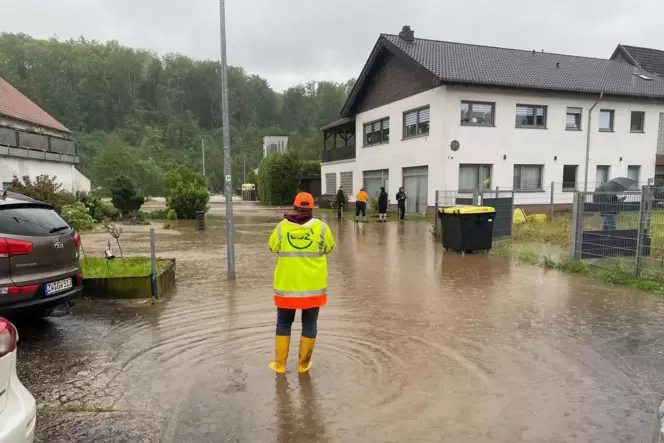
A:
{"points": [[542, 50], [533, 52]]}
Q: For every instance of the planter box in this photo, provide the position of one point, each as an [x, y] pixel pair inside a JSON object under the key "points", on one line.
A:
{"points": [[130, 287]]}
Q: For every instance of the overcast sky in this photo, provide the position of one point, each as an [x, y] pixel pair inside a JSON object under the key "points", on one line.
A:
{"points": [[293, 41]]}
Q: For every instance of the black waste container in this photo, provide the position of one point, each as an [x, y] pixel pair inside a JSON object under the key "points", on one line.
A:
{"points": [[467, 228]]}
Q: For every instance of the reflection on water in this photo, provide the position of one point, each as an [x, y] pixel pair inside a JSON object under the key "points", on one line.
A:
{"points": [[414, 346]]}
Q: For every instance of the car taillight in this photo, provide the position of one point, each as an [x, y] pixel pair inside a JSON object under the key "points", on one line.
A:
{"points": [[18, 289], [10, 247], [7, 337], [77, 239]]}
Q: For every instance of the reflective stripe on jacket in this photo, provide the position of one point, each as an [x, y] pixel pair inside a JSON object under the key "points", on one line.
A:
{"points": [[300, 278]]}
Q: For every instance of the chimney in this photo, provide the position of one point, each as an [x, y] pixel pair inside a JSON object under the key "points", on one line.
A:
{"points": [[407, 34]]}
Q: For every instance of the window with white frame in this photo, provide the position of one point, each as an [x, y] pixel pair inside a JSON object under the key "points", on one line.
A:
{"points": [[531, 116], [606, 117], [637, 121], [602, 174], [528, 177], [416, 122], [573, 119], [346, 181], [376, 133], [569, 177], [477, 113], [472, 177], [634, 172]]}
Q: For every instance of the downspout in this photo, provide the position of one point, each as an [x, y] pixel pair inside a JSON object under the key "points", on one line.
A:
{"points": [[590, 118]]}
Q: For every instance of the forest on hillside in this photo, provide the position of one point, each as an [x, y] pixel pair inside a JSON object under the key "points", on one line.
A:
{"points": [[137, 113]]}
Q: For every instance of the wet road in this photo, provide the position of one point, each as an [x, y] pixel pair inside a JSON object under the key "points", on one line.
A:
{"points": [[414, 346]]}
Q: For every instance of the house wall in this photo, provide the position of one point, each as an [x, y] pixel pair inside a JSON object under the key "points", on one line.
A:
{"points": [[488, 145], [71, 179]]}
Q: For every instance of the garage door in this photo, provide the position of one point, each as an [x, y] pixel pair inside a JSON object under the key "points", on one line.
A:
{"points": [[416, 185]]}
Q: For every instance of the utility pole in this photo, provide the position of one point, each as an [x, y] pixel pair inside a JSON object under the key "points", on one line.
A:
{"points": [[245, 167], [203, 153], [228, 182]]}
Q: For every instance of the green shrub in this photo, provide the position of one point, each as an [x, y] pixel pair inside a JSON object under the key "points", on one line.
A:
{"points": [[98, 209], [159, 214], [186, 200], [125, 197], [44, 188], [172, 215], [78, 217], [139, 218], [278, 179]]}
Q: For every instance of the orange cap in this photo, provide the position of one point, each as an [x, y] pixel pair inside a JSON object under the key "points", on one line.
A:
{"points": [[304, 200]]}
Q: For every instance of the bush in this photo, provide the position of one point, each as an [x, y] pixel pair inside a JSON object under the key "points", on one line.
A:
{"points": [[172, 215], [186, 200], [187, 192], [125, 197], [278, 178], [44, 188], [98, 209], [78, 217], [159, 214]]}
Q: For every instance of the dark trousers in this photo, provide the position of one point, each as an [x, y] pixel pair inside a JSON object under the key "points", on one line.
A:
{"points": [[361, 207], [340, 210], [286, 317], [402, 210]]}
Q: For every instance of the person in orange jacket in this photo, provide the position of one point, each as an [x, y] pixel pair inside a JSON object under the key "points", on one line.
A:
{"points": [[361, 200]]}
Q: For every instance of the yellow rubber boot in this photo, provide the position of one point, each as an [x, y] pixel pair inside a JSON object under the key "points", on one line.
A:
{"points": [[281, 345], [306, 349]]}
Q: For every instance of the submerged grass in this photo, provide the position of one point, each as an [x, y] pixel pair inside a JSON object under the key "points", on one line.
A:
{"points": [[135, 267], [613, 271]]}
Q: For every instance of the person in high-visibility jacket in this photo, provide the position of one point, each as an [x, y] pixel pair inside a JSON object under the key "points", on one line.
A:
{"points": [[300, 278], [361, 199]]}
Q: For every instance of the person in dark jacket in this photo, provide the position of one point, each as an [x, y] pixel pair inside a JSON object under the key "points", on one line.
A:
{"points": [[340, 202], [382, 205], [401, 203]]}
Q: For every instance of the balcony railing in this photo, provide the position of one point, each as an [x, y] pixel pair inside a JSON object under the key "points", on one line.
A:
{"points": [[19, 143], [340, 153]]}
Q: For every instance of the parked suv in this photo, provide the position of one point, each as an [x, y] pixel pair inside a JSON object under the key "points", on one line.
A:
{"points": [[39, 267]]}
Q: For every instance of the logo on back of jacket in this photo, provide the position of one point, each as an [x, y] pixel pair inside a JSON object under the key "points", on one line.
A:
{"points": [[300, 241]]}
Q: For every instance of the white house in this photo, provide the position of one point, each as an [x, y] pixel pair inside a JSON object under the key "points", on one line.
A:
{"points": [[438, 116], [275, 143], [33, 143]]}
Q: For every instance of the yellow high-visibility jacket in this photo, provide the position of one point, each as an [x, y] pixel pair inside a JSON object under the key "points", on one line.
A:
{"points": [[300, 278]]}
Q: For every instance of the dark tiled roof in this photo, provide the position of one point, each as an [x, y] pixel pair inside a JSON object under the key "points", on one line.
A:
{"points": [[649, 59], [17, 106], [485, 65]]}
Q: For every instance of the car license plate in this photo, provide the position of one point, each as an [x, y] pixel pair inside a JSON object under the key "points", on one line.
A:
{"points": [[57, 286]]}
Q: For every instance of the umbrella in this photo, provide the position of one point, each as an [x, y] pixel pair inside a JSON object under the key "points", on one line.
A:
{"points": [[618, 184]]}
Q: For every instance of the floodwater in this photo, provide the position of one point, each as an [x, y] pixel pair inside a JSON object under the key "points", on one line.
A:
{"points": [[414, 346]]}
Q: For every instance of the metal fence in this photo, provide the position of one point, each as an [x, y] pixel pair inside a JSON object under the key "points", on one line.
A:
{"points": [[621, 232]]}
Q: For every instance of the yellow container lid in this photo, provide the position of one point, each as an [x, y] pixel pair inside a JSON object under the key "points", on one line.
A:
{"points": [[468, 210]]}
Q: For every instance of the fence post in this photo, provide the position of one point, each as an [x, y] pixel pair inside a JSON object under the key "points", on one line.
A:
{"points": [[645, 209], [512, 217], [551, 203], [574, 249], [435, 216], [153, 262]]}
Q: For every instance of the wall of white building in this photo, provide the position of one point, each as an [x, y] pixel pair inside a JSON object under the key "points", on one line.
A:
{"points": [[71, 179], [504, 145]]}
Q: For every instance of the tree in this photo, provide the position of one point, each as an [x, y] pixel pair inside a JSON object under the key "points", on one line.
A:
{"points": [[278, 178], [124, 196]]}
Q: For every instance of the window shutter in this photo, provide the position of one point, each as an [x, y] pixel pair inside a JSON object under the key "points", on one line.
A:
{"points": [[571, 120], [386, 123], [424, 115], [367, 129], [346, 179], [574, 110], [411, 118], [376, 127]]}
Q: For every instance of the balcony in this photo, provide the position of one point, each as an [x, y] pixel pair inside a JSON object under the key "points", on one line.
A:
{"points": [[23, 144], [339, 141]]}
